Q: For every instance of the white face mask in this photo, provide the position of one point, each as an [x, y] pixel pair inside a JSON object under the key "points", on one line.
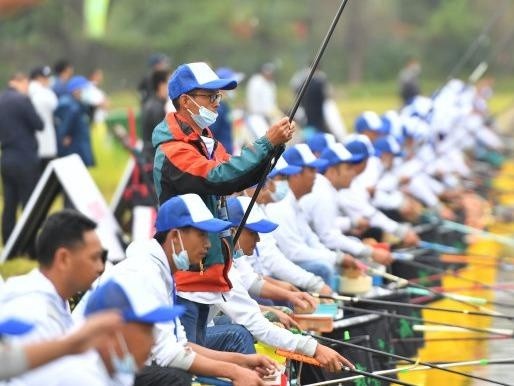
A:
{"points": [[205, 117], [182, 259], [281, 190], [126, 364]]}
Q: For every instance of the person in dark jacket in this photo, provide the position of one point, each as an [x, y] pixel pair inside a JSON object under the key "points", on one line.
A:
{"points": [[153, 111], [72, 123], [19, 161]]}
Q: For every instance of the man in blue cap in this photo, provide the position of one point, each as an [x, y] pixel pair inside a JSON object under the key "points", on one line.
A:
{"points": [[181, 240], [294, 236], [189, 159], [321, 208]]}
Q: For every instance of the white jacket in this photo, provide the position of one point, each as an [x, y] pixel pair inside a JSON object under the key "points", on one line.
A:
{"points": [[294, 236], [243, 310], [45, 102], [322, 211], [147, 258]]}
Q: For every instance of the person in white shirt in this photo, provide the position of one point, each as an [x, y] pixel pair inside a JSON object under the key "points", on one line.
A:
{"points": [[70, 258], [18, 359], [267, 259], [241, 308], [355, 201], [322, 211], [261, 100], [181, 239], [119, 356], [294, 236], [45, 102], [256, 285]]}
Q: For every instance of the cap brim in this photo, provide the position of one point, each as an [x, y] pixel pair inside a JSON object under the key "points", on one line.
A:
{"points": [[262, 226], [211, 225], [219, 84], [15, 327], [161, 314], [318, 163], [287, 171]]}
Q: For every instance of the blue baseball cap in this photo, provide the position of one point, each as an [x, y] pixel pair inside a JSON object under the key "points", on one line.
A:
{"points": [[301, 155], [387, 144], [319, 141], [77, 82], [359, 146], [283, 168], [191, 76], [127, 293], [188, 210], [13, 326], [256, 221], [228, 73], [370, 120], [336, 154]]}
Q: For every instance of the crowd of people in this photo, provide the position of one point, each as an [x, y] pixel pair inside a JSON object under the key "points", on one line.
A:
{"points": [[189, 301], [44, 114]]}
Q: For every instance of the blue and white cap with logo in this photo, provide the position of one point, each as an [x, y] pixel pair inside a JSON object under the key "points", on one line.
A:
{"points": [[370, 120], [77, 82], [127, 293], [187, 210], [301, 155], [257, 220], [13, 326], [283, 168], [191, 76], [387, 144], [359, 145], [319, 141], [336, 154]]}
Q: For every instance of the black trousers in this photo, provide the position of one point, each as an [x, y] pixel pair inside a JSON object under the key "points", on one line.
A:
{"points": [[18, 181], [162, 376]]}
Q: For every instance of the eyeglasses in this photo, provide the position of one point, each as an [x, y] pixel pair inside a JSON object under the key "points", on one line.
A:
{"points": [[213, 98], [103, 256]]}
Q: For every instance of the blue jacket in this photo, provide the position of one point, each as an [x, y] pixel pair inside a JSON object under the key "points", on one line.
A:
{"points": [[71, 119]]}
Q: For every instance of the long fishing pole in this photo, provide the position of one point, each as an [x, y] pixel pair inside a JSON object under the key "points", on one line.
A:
{"points": [[454, 273], [452, 339], [475, 231], [475, 44], [500, 332], [292, 113], [356, 300], [406, 369], [468, 301], [362, 373], [395, 356]]}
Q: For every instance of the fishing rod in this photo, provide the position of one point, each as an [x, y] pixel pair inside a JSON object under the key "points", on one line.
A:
{"points": [[475, 231], [357, 300], [474, 302], [475, 44], [408, 360], [362, 373], [454, 273], [279, 150], [482, 67], [473, 288], [452, 339], [500, 332], [406, 369]]}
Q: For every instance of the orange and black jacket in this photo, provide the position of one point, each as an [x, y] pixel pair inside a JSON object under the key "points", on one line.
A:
{"points": [[182, 165]]}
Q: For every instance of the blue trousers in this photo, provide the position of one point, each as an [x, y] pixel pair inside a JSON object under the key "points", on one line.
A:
{"points": [[225, 337], [321, 269]]}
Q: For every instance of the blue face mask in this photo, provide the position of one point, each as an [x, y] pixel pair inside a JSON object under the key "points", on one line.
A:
{"points": [[205, 117], [182, 259], [281, 190], [238, 252], [126, 364]]}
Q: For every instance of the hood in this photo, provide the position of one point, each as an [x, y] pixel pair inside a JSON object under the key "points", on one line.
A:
{"points": [[141, 250], [33, 282]]}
